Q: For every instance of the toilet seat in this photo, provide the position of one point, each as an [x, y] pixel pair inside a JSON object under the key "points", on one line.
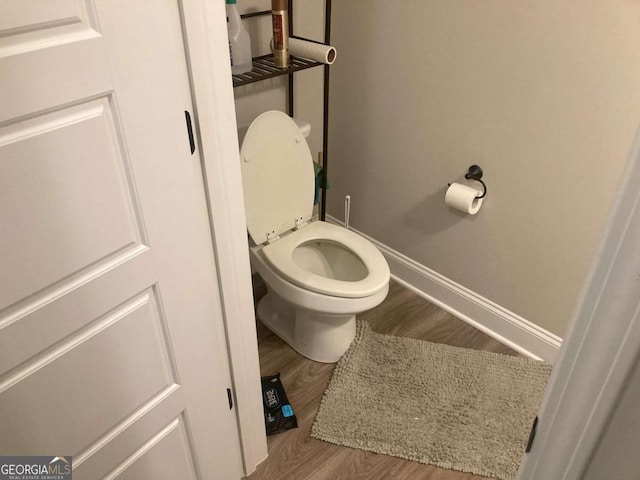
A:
{"points": [[280, 256]]}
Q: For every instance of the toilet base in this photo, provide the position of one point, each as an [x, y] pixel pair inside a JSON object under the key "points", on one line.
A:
{"points": [[319, 337]]}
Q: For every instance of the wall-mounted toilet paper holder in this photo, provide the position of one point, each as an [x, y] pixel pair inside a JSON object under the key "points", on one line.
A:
{"points": [[475, 173]]}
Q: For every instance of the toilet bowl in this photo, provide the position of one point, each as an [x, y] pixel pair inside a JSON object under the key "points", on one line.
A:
{"points": [[318, 275]]}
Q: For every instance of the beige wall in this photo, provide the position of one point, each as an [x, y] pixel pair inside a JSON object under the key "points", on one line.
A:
{"points": [[543, 95]]}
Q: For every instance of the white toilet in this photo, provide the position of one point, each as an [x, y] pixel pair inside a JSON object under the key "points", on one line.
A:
{"points": [[318, 275]]}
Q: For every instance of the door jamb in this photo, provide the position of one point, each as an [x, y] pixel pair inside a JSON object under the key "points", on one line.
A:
{"points": [[601, 350], [214, 115]]}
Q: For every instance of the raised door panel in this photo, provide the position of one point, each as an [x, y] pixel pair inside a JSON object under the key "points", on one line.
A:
{"points": [[31, 327], [30, 25], [74, 392], [166, 456], [68, 204]]}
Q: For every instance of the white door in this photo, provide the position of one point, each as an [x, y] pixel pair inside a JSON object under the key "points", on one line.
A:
{"points": [[112, 345]]}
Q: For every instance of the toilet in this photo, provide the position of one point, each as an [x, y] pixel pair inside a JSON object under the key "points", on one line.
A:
{"points": [[318, 275]]}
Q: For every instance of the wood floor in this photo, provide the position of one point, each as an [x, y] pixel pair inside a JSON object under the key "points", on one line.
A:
{"points": [[294, 455]]}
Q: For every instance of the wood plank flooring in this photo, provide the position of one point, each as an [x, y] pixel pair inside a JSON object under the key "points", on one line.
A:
{"points": [[294, 455]]}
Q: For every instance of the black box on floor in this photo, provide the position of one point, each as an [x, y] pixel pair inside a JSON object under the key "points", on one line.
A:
{"points": [[278, 413]]}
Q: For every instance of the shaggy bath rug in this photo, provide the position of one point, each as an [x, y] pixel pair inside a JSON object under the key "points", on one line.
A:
{"points": [[452, 407]]}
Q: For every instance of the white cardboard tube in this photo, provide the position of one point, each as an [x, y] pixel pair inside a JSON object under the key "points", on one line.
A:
{"points": [[312, 51]]}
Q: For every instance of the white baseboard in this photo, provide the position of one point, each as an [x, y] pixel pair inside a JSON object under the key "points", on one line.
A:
{"points": [[479, 312]]}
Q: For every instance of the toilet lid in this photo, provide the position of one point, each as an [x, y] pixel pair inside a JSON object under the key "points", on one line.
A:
{"points": [[277, 176]]}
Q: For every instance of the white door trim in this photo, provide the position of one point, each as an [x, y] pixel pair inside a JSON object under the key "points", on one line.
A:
{"points": [[210, 73], [600, 351]]}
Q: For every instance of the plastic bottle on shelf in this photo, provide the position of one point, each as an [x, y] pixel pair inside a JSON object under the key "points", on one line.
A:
{"points": [[239, 40]]}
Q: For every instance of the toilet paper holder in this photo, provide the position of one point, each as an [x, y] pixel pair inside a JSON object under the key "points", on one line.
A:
{"points": [[475, 173]]}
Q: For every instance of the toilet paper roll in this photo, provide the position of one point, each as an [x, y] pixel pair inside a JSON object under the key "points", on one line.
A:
{"points": [[463, 198], [317, 52]]}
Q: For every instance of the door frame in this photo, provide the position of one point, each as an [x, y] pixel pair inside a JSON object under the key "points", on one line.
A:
{"points": [[601, 350], [209, 65], [596, 358]]}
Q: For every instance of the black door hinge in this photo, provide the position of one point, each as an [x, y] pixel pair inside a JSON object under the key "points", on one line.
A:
{"points": [[230, 398], [192, 142], [532, 434]]}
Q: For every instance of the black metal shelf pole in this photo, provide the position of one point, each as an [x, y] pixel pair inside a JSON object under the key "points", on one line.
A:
{"points": [[325, 113], [290, 88]]}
